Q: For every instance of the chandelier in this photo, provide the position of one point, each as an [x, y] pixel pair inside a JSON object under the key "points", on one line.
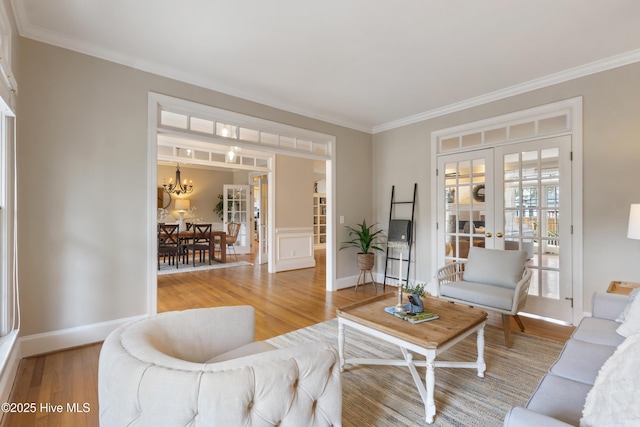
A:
{"points": [[177, 187]]}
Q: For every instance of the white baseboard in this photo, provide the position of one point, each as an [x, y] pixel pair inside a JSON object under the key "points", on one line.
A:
{"points": [[295, 264], [346, 282], [11, 358], [48, 342]]}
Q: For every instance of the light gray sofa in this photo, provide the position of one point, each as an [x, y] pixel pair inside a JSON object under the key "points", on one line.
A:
{"points": [[561, 394]]}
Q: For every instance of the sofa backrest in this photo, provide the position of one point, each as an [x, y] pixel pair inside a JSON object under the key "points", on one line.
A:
{"points": [[494, 267]]}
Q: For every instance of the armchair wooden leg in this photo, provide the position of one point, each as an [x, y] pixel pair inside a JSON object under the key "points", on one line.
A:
{"points": [[519, 322], [506, 325]]}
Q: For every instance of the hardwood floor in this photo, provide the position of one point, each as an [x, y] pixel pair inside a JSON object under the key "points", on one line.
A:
{"points": [[283, 302]]}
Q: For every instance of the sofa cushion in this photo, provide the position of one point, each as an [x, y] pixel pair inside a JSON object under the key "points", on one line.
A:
{"points": [[613, 400], [598, 331], [581, 360], [496, 267], [245, 350], [559, 398], [478, 294]]}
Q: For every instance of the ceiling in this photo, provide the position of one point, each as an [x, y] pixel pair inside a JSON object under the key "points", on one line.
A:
{"points": [[368, 65]]}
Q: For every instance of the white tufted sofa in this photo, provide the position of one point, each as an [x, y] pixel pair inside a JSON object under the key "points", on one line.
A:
{"points": [[202, 367]]}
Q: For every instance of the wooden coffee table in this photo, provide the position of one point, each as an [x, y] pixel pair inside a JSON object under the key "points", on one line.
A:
{"points": [[429, 339]]}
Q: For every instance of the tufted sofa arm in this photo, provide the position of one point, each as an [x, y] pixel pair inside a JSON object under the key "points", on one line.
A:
{"points": [[149, 376]]}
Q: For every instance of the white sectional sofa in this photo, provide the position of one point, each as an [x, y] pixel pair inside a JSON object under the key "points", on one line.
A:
{"points": [[561, 395]]}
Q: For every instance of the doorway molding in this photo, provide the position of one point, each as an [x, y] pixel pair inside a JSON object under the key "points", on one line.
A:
{"points": [[245, 132], [549, 120]]}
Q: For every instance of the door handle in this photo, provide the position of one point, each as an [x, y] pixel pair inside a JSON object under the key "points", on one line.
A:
{"points": [[488, 235], [499, 235]]}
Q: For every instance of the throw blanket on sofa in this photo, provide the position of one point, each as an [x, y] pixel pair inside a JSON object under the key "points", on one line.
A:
{"points": [[614, 398]]}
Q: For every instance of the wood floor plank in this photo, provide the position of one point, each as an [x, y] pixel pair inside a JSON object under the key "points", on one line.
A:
{"points": [[283, 302]]}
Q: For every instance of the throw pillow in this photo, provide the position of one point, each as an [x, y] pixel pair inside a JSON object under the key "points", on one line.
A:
{"points": [[631, 323], [613, 399], [625, 312]]}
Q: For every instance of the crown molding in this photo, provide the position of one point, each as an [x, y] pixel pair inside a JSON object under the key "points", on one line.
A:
{"points": [[552, 79], [33, 32], [28, 30]]}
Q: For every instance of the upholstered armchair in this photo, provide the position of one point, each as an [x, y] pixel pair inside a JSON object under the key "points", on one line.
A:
{"points": [[202, 367], [491, 279]]}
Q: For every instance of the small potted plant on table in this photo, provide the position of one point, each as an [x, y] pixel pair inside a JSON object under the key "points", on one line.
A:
{"points": [[415, 292]]}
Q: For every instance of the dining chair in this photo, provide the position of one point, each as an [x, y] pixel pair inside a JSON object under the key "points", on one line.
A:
{"points": [[168, 243], [200, 242], [233, 229]]}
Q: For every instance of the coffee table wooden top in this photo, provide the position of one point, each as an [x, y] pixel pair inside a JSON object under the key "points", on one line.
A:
{"points": [[454, 320]]}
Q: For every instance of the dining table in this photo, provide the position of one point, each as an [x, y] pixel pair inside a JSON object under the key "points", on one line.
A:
{"points": [[217, 238]]}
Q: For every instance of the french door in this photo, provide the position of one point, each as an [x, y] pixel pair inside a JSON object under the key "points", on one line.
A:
{"points": [[513, 197], [236, 209]]}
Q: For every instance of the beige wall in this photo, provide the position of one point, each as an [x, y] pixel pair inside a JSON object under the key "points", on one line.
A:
{"points": [[611, 112], [294, 192], [82, 183]]}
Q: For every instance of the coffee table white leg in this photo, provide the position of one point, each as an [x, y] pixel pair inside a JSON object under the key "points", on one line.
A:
{"points": [[480, 342], [341, 344], [430, 404]]}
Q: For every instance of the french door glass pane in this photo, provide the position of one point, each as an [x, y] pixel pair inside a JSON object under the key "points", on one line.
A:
{"points": [[464, 206]]}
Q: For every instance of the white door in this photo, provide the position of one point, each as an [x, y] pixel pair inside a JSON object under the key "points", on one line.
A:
{"points": [[509, 197], [465, 216], [535, 178], [237, 206]]}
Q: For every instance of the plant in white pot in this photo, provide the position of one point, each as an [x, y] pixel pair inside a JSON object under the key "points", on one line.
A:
{"points": [[365, 240]]}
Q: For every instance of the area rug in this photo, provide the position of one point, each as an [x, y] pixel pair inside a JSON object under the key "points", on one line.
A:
{"points": [[386, 395], [171, 269]]}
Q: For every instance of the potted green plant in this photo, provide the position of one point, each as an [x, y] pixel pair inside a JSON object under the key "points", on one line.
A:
{"points": [[219, 208], [365, 240]]}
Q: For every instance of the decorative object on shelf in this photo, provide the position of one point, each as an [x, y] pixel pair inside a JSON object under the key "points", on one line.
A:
{"points": [[177, 187], [478, 193], [182, 206]]}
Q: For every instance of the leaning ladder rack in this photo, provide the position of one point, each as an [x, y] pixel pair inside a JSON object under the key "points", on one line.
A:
{"points": [[394, 225]]}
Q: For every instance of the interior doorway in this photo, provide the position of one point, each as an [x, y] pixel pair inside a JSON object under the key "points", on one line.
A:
{"points": [[209, 133]]}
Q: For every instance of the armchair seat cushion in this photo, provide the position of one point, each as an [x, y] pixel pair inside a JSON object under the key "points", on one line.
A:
{"points": [[478, 294]]}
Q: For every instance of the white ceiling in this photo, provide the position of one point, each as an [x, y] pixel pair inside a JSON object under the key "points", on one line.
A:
{"points": [[366, 64]]}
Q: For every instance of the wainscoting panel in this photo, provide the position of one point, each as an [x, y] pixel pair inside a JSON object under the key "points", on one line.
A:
{"points": [[294, 249]]}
